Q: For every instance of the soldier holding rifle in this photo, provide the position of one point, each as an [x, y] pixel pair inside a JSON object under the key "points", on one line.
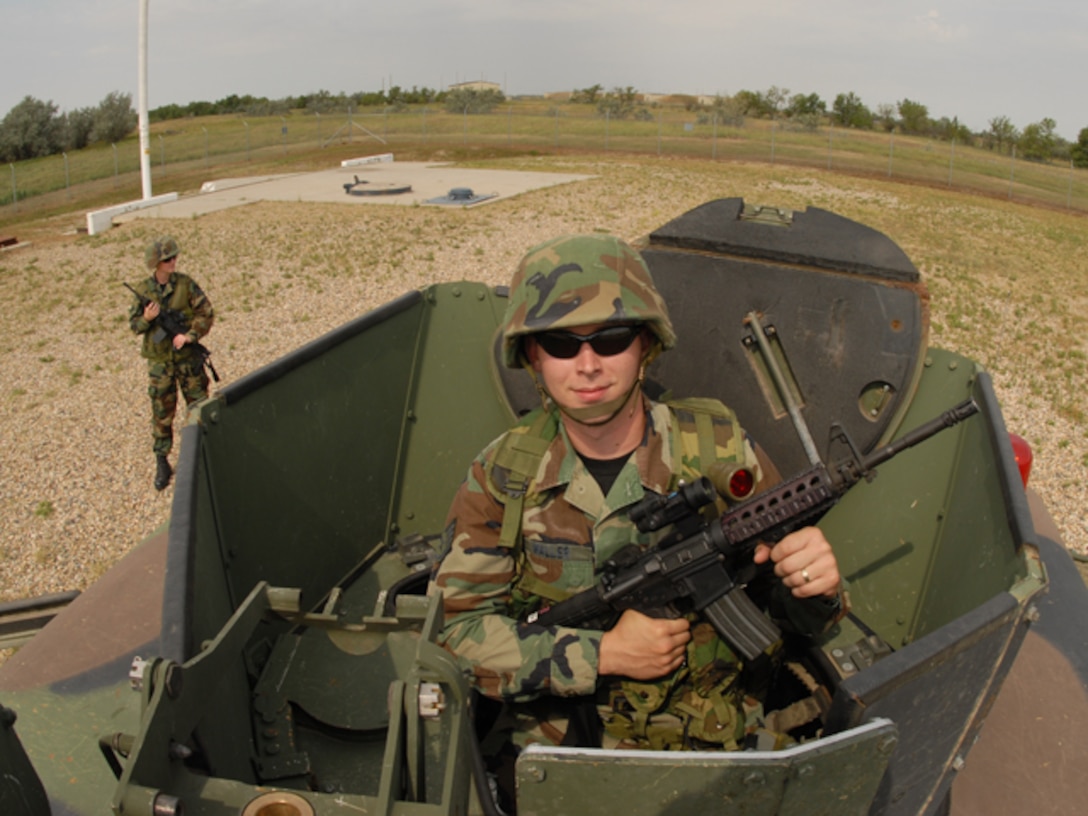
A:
{"points": [[172, 313], [547, 504]]}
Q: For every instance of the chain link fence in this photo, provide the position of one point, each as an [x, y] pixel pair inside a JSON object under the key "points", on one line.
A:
{"points": [[192, 144]]}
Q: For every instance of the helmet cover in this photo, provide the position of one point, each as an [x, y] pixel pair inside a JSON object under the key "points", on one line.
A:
{"points": [[582, 280], [159, 250]]}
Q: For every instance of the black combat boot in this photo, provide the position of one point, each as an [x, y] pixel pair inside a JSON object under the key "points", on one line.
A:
{"points": [[163, 472]]}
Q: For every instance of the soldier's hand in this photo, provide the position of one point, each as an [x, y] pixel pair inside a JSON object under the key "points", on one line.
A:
{"points": [[805, 563], [643, 648], [151, 311], [180, 340]]}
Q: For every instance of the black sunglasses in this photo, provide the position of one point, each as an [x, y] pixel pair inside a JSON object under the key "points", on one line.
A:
{"points": [[606, 342]]}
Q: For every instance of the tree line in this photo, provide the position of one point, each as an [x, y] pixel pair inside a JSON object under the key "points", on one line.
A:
{"points": [[34, 128], [1037, 141]]}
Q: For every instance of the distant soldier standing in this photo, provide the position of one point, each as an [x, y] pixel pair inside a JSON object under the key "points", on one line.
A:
{"points": [[171, 362]]}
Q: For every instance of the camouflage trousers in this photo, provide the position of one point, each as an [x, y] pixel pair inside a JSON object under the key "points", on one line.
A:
{"points": [[703, 705], [720, 724], [165, 379]]}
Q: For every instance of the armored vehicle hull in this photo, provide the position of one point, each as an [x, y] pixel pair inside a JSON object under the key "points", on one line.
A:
{"points": [[271, 652]]}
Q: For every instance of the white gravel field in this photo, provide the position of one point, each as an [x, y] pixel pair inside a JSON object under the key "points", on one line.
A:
{"points": [[75, 461]]}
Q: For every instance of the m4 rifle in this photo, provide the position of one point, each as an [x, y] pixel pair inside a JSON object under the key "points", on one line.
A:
{"points": [[170, 323], [698, 571]]}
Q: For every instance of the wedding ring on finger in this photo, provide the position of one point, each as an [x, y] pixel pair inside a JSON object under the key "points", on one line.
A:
{"points": [[805, 575]]}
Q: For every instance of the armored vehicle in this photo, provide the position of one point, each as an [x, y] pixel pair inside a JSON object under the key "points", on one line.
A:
{"points": [[272, 651]]}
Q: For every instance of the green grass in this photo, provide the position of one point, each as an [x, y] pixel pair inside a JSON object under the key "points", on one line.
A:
{"points": [[186, 152]]}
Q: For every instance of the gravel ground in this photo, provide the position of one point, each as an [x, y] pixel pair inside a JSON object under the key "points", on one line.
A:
{"points": [[75, 462]]}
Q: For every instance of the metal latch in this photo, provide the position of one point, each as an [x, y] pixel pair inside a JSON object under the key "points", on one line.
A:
{"points": [[432, 701], [774, 216], [136, 672]]}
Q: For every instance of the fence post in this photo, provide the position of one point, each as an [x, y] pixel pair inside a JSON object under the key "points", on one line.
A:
{"points": [[509, 125], [318, 115], [205, 145], [14, 191], [1012, 168], [67, 179], [283, 132], [774, 127], [162, 153], [1069, 192], [244, 122], [424, 124], [607, 120], [891, 151], [951, 160], [556, 127], [830, 133], [116, 166], [659, 134], [714, 139]]}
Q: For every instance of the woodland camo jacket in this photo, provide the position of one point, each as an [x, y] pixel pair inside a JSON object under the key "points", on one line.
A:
{"points": [[182, 294], [568, 530]]}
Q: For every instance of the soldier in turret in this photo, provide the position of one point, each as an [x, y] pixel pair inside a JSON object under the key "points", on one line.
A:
{"points": [[171, 361], [546, 504]]}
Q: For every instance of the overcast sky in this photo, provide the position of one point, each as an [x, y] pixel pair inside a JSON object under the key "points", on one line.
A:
{"points": [[972, 59]]}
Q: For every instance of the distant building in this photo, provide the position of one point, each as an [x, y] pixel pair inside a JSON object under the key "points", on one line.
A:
{"points": [[476, 85]]}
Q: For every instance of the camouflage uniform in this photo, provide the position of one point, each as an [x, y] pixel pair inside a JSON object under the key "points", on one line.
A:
{"points": [[171, 369], [490, 578], [569, 529]]}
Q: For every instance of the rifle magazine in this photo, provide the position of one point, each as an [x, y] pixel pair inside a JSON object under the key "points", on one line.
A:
{"points": [[741, 623]]}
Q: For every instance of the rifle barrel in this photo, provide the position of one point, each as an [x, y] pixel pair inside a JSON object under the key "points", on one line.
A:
{"points": [[953, 416]]}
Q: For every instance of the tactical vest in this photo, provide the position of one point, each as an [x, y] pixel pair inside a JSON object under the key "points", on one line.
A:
{"points": [[519, 455], [179, 300], [702, 704]]}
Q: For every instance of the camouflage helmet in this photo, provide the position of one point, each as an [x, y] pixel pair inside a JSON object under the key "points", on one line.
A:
{"points": [[581, 280], [159, 250]]}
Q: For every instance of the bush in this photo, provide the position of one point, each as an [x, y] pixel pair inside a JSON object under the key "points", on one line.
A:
{"points": [[471, 100], [619, 103], [33, 128], [30, 130], [725, 110], [114, 119], [78, 128]]}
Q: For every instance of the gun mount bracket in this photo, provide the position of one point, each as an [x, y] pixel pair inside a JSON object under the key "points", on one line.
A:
{"points": [[772, 369], [861, 654]]}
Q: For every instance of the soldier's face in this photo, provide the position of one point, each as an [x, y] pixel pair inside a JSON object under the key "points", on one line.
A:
{"points": [[163, 270], [589, 378]]}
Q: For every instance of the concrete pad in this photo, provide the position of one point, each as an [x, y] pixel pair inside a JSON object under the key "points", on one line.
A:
{"points": [[427, 181]]}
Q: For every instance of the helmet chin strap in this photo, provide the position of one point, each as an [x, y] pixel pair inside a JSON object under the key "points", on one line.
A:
{"points": [[592, 415]]}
